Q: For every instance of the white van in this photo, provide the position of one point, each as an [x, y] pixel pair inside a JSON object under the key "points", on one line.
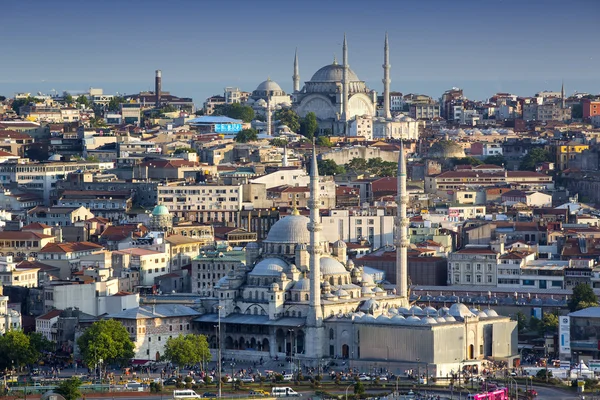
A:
{"points": [[185, 394], [288, 377], [284, 392]]}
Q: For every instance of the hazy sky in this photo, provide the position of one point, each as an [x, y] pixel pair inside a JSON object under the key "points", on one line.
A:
{"points": [[202, 46]]}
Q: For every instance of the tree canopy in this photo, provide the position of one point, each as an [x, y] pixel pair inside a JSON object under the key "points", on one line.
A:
{"points": [[180, 150], [68, 99], [533, 158], [466, 161], [115, 103], [278, 142], [246, 135], [374, 166], [16, 350], [329, 167], [583, 297], [187, 349], [498, 159], [235, 111], [105, 340], [288, 117], [309, 125], [18, 103], [324, 141], [69, 389], [83, 100]]}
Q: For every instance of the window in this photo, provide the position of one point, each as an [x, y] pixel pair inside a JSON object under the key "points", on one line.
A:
{"points": [[468, 278]]}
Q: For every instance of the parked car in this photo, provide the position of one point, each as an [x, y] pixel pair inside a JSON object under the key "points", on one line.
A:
{"points": [[170, 381], [209, 394], [383, 378], [259, 392], [364, 377], [532, 393], [247, 379]]}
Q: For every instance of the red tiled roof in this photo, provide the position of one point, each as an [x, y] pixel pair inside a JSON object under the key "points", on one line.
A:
{"points": [[23, 235], [471, 250], [50, 315], [70, 247], [34, 226]]}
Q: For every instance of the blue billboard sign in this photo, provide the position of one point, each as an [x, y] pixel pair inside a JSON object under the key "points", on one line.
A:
{"points": [[228, 128]]}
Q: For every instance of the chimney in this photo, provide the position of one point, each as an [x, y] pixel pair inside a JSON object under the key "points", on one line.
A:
{"points": [[158, 86]]}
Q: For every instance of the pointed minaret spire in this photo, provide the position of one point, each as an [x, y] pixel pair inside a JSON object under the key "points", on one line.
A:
{"points": [[386, 79], [284, 159], [314, 320], [402, 241], [562, 95], [296, 76], [345, 83]]}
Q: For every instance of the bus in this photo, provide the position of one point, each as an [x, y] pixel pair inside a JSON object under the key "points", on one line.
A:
{"points": [[185, 394], [498, 394], [284, 392]]}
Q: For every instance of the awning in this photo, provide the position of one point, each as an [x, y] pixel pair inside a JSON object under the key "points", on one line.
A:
{"points": [[139, 362], [245, 319]]}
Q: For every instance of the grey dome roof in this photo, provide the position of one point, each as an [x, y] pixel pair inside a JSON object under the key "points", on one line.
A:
{"points": [[403, 310], [269, 267], [429, 320], [290, 229], [490, 312], [383, 319], [333, 73], [252, 245], [342, 293], [430, 310], [302, 284], [450, 318], [331, 266], [413, 319], [339, 243], [416, 310], [269, 85], [398, 319], [460, 310]]}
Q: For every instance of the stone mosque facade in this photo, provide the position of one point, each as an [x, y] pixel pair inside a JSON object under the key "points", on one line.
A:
{"points": [[301, 296]]}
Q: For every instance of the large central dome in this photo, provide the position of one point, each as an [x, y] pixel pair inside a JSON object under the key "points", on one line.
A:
{"points": [[290, 229], [333, 73]]}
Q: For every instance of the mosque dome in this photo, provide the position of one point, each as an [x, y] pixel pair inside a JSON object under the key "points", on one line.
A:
{"points": [[340, 244], [440, 319], [367, 279], [443, 311], [403, 310], [460, 310], [252, 245], [446, 149], [333, 73], [160, 210], [413, 319], [302, 284], [261, 103], [269, 85], [341, 293], [290, 229], [416, 310], [331, 266], [491, 313], [269, 267], [430, 310], [383, 319], [398, 319], [429, 320], [449, 318]]}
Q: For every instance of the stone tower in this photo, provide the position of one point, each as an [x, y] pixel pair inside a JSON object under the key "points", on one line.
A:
{"points": [[402, 240], [386, 79]]}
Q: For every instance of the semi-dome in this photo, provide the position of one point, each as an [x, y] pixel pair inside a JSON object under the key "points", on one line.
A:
{"points": [[160, 210], [269, 267], [302, 284], [290, 229], [331, 266], [333, 73], [269, 85]]}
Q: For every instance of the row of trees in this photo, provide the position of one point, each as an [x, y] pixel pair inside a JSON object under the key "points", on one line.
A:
{"points": [[374, 166], [19, 350], [235, 111]]}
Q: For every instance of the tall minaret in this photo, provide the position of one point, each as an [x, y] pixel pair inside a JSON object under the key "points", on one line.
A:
{"points": [[386, 80], [284, 159], [562, 95], [402, 241], [269, 117], [296, 76], [345, 82], [314, 320]]}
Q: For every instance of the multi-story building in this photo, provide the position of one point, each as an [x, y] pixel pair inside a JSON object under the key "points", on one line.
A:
{"points": [[9, 319], [106, 204], [213, 102], [210, 266], [566, 152], [66, 257], [12, 275], [235, 95], [131, 113], [41, 178], [396, 102], [509, 268], [353, 226], [452, 180], [361, 126], [59, 215], [150, 327], [15, 143], [23, 244], [590, 107], [47, 325], [473, 266], [424, 111], [182, 250], [149, 263]]}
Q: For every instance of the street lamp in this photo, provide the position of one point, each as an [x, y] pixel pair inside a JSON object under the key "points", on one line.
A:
{"points": [[516, 387], [349, 386], [232, 379]]}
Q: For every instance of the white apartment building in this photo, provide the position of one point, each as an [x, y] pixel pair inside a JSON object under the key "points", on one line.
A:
{"points": [[10, 275], [9, 319], [150, 263], [352, 226], [510, 267], [41, 178], [46, 324], [473, 266], [361, 126]]}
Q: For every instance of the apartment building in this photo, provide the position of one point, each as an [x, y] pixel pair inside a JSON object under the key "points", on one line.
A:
{"points": [[149, 263], [47, 325], [182, 250], [424, 111], [473, 266], [354, 226], [210, 266], [23, 244], [14, 142], [452, 180], [11, 275], [58, 216]]}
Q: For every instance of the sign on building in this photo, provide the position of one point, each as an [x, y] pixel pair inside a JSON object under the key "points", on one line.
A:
{"points": [[564, 334]]}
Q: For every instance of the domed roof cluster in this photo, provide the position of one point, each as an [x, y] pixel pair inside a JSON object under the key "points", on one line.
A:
{"points": [[292, 229], [333, 73]]}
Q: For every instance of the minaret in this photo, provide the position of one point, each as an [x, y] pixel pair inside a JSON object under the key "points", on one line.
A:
{"points": [[562, 95], [269, 117], [345, 83], [296, 76], [284, 160], [402, 230], [314, 320], [386, 80], [158, 86]]}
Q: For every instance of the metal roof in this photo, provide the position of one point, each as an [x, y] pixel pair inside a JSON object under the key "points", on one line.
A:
{"points": [[246, 319]]}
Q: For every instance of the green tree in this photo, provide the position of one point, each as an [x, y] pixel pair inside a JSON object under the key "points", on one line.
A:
{"points": [[39, 343], [521, 322], [187, 349], [18, 103], [37, 153], [68, 99], [535, 324], [549, 323], [235, 111], [533, 158], [16, 350], [309, 125], [83, 100], [324, 141], [498, 159], [577, 111], [278, 142], [327, 132], [105, 340], [180, 150], [466, 161], [329, 167], [288, 117], [115, 103], [583, 297], [246, 135], [359, 388], [69, 389], [357, 165], [168, 108]]}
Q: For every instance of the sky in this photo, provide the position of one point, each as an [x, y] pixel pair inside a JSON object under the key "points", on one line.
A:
{"points": [[201, 46]]}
